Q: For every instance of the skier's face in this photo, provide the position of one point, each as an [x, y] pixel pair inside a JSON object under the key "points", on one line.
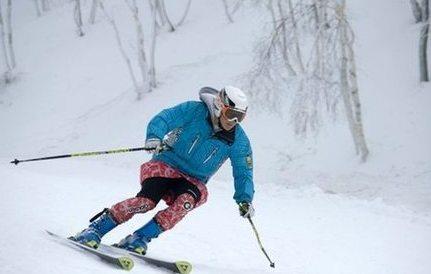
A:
{"points": [[229, 116], [226, 123]]}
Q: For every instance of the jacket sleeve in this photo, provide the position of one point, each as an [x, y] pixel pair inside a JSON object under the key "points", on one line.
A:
{"points": [[170, 118], [242, 167]]}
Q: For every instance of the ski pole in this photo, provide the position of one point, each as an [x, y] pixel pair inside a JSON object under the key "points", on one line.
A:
{"points": [[271, 263], [81, 154]]}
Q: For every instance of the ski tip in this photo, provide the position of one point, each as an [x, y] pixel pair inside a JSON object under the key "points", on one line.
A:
{"points": [[183, 267], [126, 263]]}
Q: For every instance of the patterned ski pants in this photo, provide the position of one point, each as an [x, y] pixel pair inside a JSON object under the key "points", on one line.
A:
{"points": [[159, 181]]}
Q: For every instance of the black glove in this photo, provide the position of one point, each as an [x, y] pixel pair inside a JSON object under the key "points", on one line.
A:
{"points": [[246, 209]]}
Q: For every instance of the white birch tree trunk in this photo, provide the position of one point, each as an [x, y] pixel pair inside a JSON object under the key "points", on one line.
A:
{"points": [[345, 92], [93, 12], [142, 59], [417, 12], [78, 18], [7, 74], [152, 70], [349, 87], [423, 42]]}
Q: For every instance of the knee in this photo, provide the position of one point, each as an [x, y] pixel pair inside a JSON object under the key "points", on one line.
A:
{"points": [[170, 216]]}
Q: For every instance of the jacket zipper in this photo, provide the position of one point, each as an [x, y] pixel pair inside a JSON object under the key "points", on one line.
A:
{"points": [[193, 144], [210, 156]]}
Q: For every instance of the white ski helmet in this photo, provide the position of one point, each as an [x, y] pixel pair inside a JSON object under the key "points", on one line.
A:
{"points": [[234, 103], [234, 97]]}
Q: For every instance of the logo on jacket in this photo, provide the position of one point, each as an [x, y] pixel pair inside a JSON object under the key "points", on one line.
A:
{"points": [[249, 161]]}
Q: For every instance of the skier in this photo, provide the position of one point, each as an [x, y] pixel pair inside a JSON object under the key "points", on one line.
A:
{"points": [[189, 142]]}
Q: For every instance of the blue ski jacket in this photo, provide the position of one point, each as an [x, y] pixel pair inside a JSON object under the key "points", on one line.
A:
{"points": [[198, 150]]}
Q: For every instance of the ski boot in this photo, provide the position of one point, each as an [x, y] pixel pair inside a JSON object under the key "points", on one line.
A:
{"points": [[137, 242], [101, 224]]}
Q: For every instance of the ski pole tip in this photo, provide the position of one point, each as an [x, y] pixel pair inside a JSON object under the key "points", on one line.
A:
{"points": [[272, 265], [16, 161]]}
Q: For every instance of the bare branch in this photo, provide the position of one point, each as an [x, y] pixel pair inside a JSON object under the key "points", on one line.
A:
{"points": [[186, 11], [78, 18], [164, 14], [226, 10], [93, 11]]}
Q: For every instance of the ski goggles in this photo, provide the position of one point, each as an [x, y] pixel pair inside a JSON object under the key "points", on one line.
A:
{"points": [[233, 114]]}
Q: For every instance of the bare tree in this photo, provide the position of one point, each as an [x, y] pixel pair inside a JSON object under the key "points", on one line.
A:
{"points": [[307, 63], [122, 50], [147, 71], [349, 83], [77, 15], [142, 59]]}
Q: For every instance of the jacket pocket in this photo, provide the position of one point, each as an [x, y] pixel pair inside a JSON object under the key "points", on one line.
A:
{"points": [[194, 142], [213, 152]]}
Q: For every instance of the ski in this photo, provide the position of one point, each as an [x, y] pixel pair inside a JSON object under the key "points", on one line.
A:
{"points": [[182, 267], [123, 262]]}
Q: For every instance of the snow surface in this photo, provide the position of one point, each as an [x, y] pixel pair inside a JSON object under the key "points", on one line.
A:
{"points": [[318, 209]]}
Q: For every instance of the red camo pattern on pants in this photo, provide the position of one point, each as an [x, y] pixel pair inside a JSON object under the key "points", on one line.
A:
{"points": [[160, 169], [177, 208], [170, 216], [124, 211]]}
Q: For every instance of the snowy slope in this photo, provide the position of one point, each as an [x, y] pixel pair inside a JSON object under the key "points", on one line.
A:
{"points": [[305, 231], [318, 209]]}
